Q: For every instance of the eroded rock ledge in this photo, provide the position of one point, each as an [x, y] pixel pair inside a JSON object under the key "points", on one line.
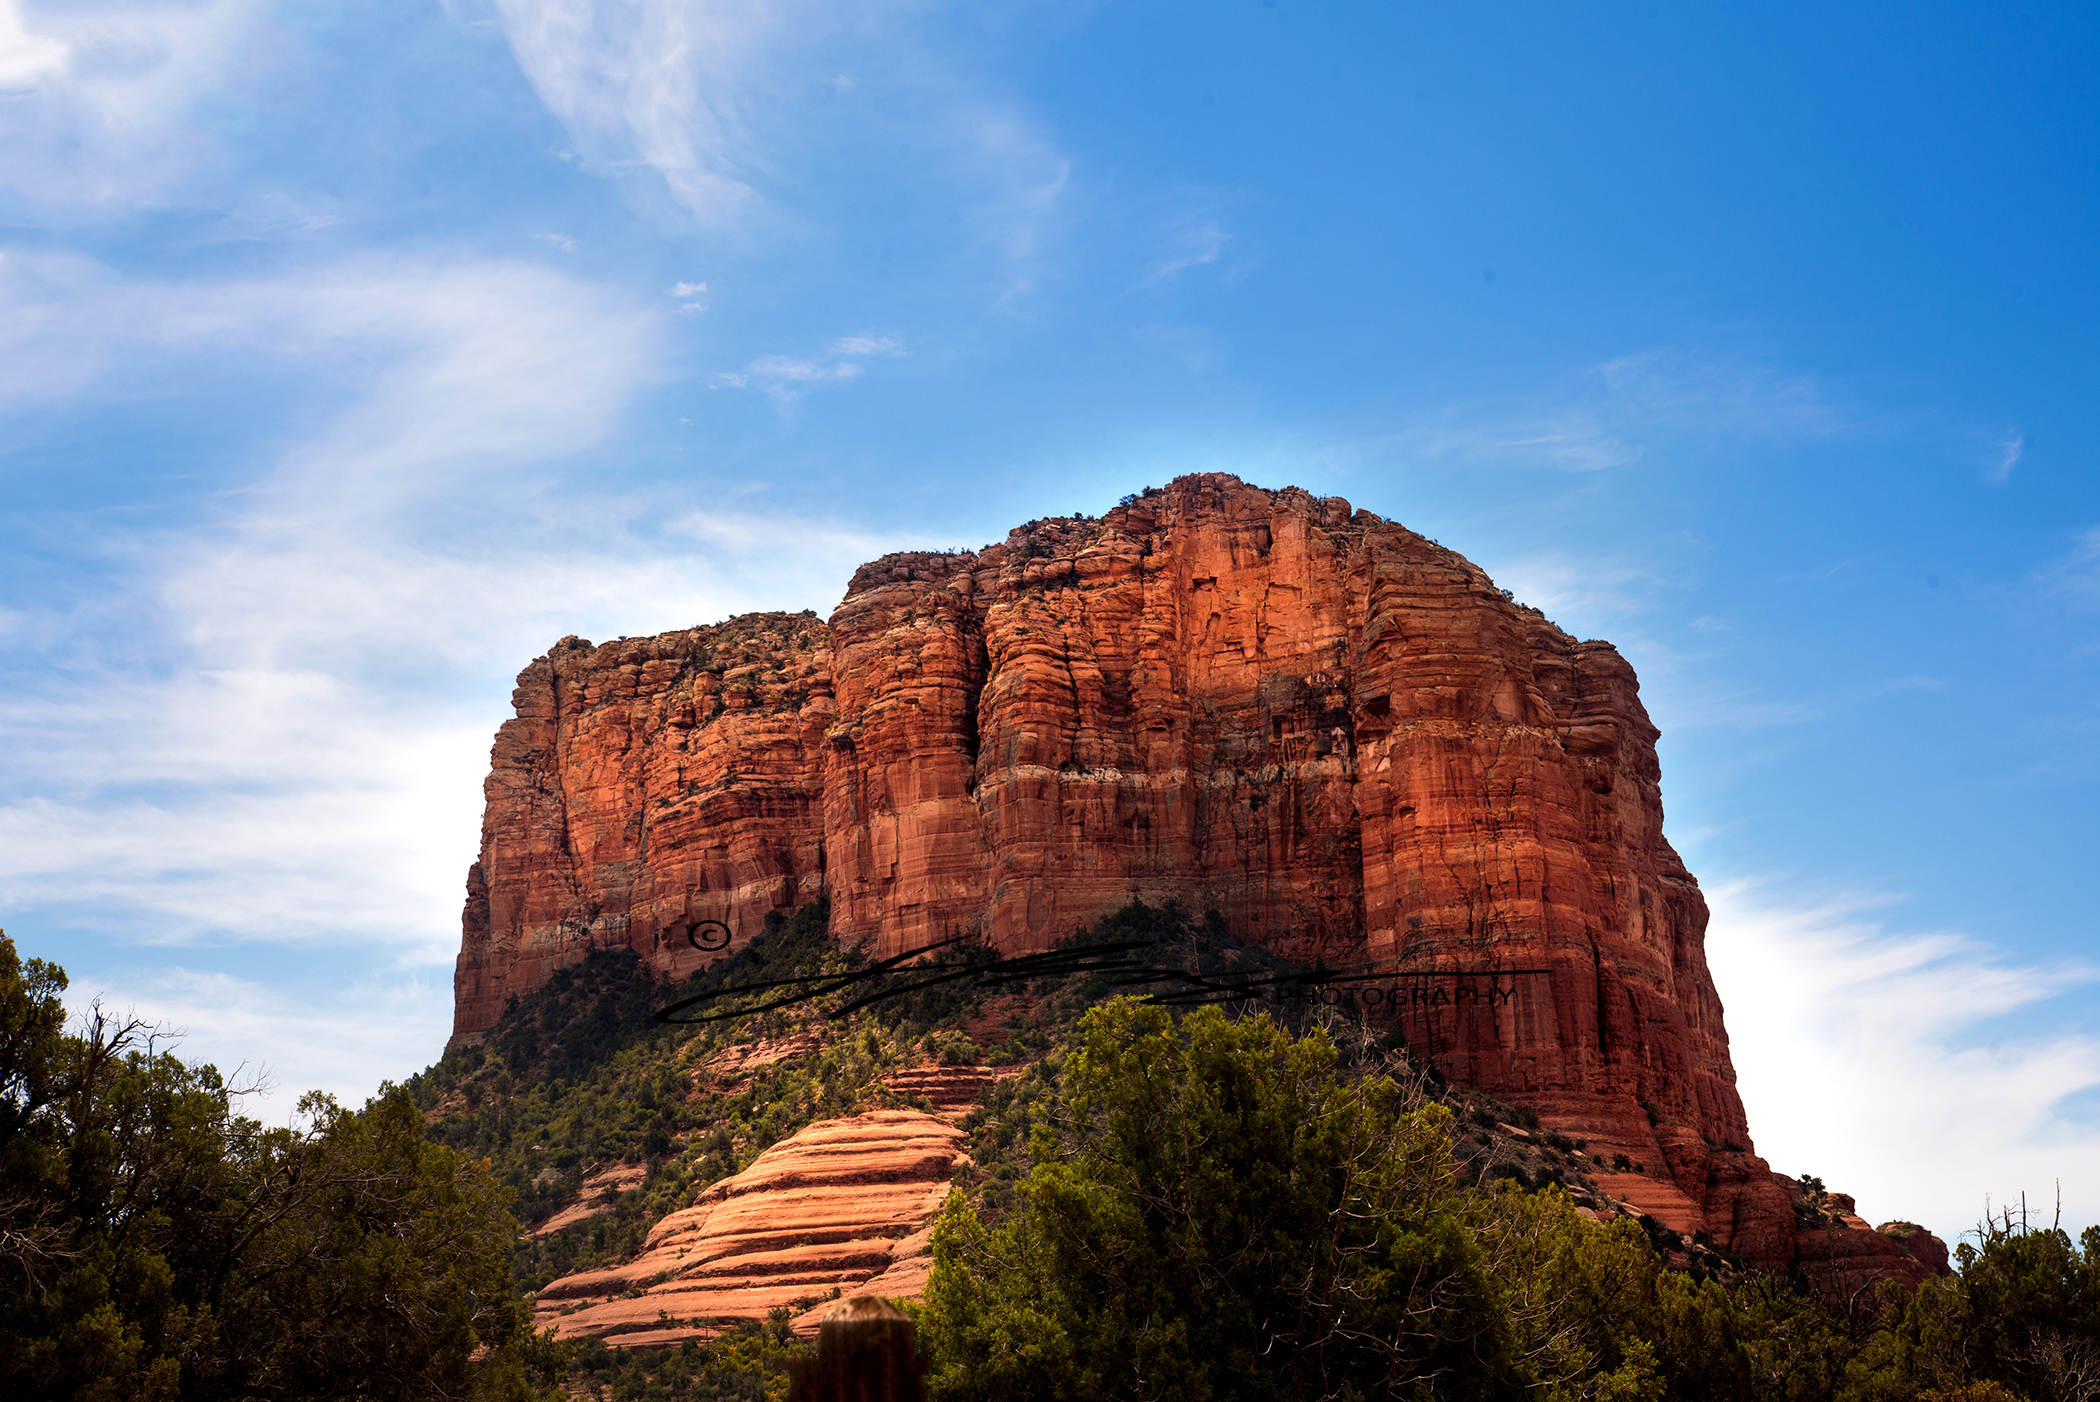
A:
{"points": [[1339, 734]]}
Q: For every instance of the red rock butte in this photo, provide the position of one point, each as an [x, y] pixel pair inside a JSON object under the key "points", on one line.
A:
{"points": [[1336, 733]]}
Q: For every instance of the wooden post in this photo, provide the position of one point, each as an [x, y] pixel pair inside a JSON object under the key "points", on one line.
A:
{"points": [[867, 1351]]}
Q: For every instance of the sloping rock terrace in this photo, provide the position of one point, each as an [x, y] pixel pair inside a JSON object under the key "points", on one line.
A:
{"points": [[827, 1209]]}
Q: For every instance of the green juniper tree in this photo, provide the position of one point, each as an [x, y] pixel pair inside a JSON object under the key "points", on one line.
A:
{"points": [[1219, 1215], [154, 1244]]}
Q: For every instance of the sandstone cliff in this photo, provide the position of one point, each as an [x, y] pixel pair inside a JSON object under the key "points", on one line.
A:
{"points": [[1335, 732]]}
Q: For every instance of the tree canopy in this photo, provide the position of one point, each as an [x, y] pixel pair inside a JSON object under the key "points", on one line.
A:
{"points": [[156, 1244], [1205, 1206], [1217, 1209], [1219, 1215]]}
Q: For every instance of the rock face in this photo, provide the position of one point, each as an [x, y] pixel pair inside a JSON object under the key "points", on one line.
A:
{"points": [[1842, 1258], [845, 1204], [1338, 734], [644, 786]]}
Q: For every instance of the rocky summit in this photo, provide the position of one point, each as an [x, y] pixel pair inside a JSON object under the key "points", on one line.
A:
{"points": [[1337, 734]]}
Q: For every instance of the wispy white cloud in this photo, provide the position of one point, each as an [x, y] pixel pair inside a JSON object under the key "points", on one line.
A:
{"points": [[772, 537], [1571, 440], [27, 57], [2076, 575], [1189, 248], [1722, 397], [2073, 579], [1614, 413], [219, 772], [1746, 711], [1600, 592], [717, 98], [270, 727], [1193, 233], [654, 84], [97, 94], [785, 378], [2008, 456], [475, 335], [867, 345], [1022, 176], [281, 1042], [1883, 1061]]}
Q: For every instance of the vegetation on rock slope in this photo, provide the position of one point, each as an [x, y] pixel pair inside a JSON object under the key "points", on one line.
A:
{"points": [[1218, 1208], [1161, 1205], [1061, 1270], [578, 1078]]}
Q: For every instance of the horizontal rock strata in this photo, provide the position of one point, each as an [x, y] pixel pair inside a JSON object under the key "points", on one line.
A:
{"points": [[1341, 736], [844, 1205], [599, 1191]]}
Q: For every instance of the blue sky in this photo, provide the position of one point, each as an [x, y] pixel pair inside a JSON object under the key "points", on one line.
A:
{"points": [[350, 354]]}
